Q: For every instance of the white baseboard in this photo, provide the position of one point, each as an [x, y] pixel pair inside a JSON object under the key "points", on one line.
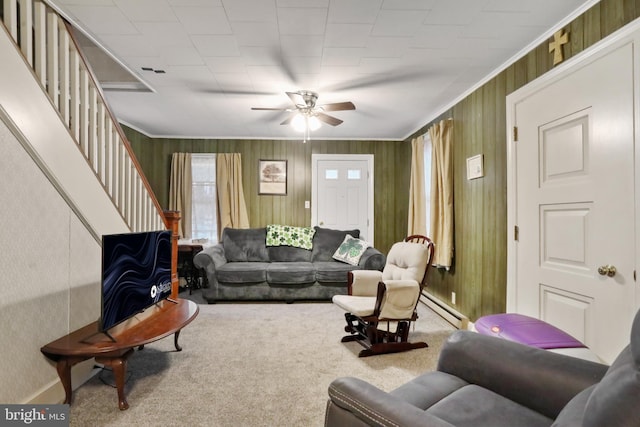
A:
{"points": [[445, 311]]}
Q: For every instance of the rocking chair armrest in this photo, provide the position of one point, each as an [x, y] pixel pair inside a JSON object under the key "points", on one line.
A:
{"points": [[363, 282], [400, 299]]}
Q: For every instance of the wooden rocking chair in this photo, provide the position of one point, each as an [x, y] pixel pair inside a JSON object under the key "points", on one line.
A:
{"points": [[380, 306]]}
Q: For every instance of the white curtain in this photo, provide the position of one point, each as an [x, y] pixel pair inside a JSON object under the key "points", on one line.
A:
{"points": [[442, 193], [232, 210], [417, 221]]}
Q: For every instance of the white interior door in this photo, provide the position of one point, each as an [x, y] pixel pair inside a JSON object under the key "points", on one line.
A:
{"points": [[574, 205], [342, 194]]}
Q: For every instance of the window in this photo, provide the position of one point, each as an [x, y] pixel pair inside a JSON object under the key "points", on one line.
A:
{"points": [[204, 223], [427, 180]]}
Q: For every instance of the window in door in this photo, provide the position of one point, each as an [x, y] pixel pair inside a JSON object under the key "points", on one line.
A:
{"points": [[204, 224]]}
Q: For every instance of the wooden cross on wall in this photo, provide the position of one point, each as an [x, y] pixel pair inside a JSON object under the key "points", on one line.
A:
{"points": [[559, 38]]}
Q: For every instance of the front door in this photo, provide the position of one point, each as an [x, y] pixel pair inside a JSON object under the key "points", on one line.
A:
{"points": [[575, 202], [342, 193]]}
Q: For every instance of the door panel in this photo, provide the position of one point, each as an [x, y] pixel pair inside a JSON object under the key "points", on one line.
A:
{"points": [[575, 202], [343, 196]]}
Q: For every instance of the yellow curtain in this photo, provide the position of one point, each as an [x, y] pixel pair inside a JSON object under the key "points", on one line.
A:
{"points": [[442, 193], [417, 220], [180, 191], [232, 210]]}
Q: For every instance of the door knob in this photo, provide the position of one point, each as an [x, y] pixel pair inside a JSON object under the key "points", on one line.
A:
{"points": [[607, 270]]}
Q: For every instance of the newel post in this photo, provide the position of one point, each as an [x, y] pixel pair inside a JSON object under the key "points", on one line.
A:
{"points": [[173, 219]]}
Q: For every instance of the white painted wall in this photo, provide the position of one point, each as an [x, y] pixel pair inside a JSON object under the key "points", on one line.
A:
{"points": [[49, 235]]}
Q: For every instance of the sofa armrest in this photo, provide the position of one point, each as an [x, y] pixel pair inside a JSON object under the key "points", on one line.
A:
{"points": [[354, 402], [363, 283], [372, 259], [210, 258], [538, 379]]}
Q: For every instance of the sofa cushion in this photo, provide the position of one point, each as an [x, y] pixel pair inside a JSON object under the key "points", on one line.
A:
{"points": [[286, 235], [288, 254], [291, 273], [326, 241], [243, 272], [351, 250], [573, 413], [474, 406], [428, 389], [332, 272], [245, 245]]}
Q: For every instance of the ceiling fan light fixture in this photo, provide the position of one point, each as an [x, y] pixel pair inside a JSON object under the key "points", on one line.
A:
{"points": [[299, 122], [314, 123]]}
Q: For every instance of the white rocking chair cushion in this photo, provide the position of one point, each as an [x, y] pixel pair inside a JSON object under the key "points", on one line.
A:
{"points": [[406, 261], [357, 305], [365, 282], [400, 299]]}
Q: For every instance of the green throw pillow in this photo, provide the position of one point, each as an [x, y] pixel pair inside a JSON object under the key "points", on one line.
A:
{"points": [[351, 250], [285, 235]]}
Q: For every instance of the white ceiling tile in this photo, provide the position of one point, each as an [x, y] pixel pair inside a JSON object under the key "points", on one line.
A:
{"points": [[103, 20], [210, 3], [215, 45], [347, 35], [341, 56], [255, 34], [163, 34], [302, 21], [454, 12], [146, 10], [203, 20], [301, 45], [391, 47], [398, 23], [181, 56], [223, 64], [302, 3], [408, 4], [250, 10], [222, 57], [130, 45], [354, 11]]}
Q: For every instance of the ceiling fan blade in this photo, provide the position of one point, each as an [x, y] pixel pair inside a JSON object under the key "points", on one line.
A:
{"points": [[288, 120], [296, 98], [269, 109], [338, 106], [333, 121]]}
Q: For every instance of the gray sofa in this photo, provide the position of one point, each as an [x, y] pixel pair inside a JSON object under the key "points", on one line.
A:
{"points": [[487, 381], [242, 267]]}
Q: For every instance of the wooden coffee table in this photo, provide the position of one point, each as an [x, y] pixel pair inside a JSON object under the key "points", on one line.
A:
{"points": [[166, 318]]}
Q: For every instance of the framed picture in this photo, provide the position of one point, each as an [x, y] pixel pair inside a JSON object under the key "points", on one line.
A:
{"points": [[475, 167], [272, 176]]}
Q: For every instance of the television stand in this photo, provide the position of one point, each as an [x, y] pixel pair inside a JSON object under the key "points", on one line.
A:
{"points": [[85, 343]]}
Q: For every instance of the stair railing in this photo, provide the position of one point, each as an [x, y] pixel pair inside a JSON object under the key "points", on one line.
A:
{"points": [[47, 43]]}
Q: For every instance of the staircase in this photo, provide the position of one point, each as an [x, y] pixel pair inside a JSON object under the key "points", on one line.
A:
{"points": [[83, 150]]}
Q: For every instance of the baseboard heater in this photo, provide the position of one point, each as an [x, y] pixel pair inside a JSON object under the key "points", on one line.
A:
{"points": [[449, 314]]}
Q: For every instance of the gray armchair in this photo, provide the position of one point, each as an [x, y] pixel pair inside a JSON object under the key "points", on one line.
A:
{"points": [[487, 381]]}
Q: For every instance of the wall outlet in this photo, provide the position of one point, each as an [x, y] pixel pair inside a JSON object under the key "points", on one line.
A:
{"points": [[307, 204], [453, 298]]}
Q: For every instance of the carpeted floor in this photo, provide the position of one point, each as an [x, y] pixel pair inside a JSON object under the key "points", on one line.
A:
{"points": [[257, 364]]}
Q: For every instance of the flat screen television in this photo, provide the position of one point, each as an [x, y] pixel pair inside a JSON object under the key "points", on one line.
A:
{"points": [[136, 273]]}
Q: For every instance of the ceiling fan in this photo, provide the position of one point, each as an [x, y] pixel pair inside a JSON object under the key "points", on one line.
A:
{"points": [[305, 109]]}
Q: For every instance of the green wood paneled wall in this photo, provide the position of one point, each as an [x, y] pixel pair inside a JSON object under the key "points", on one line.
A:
{"points": [[391, 178], [478, 275]]}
